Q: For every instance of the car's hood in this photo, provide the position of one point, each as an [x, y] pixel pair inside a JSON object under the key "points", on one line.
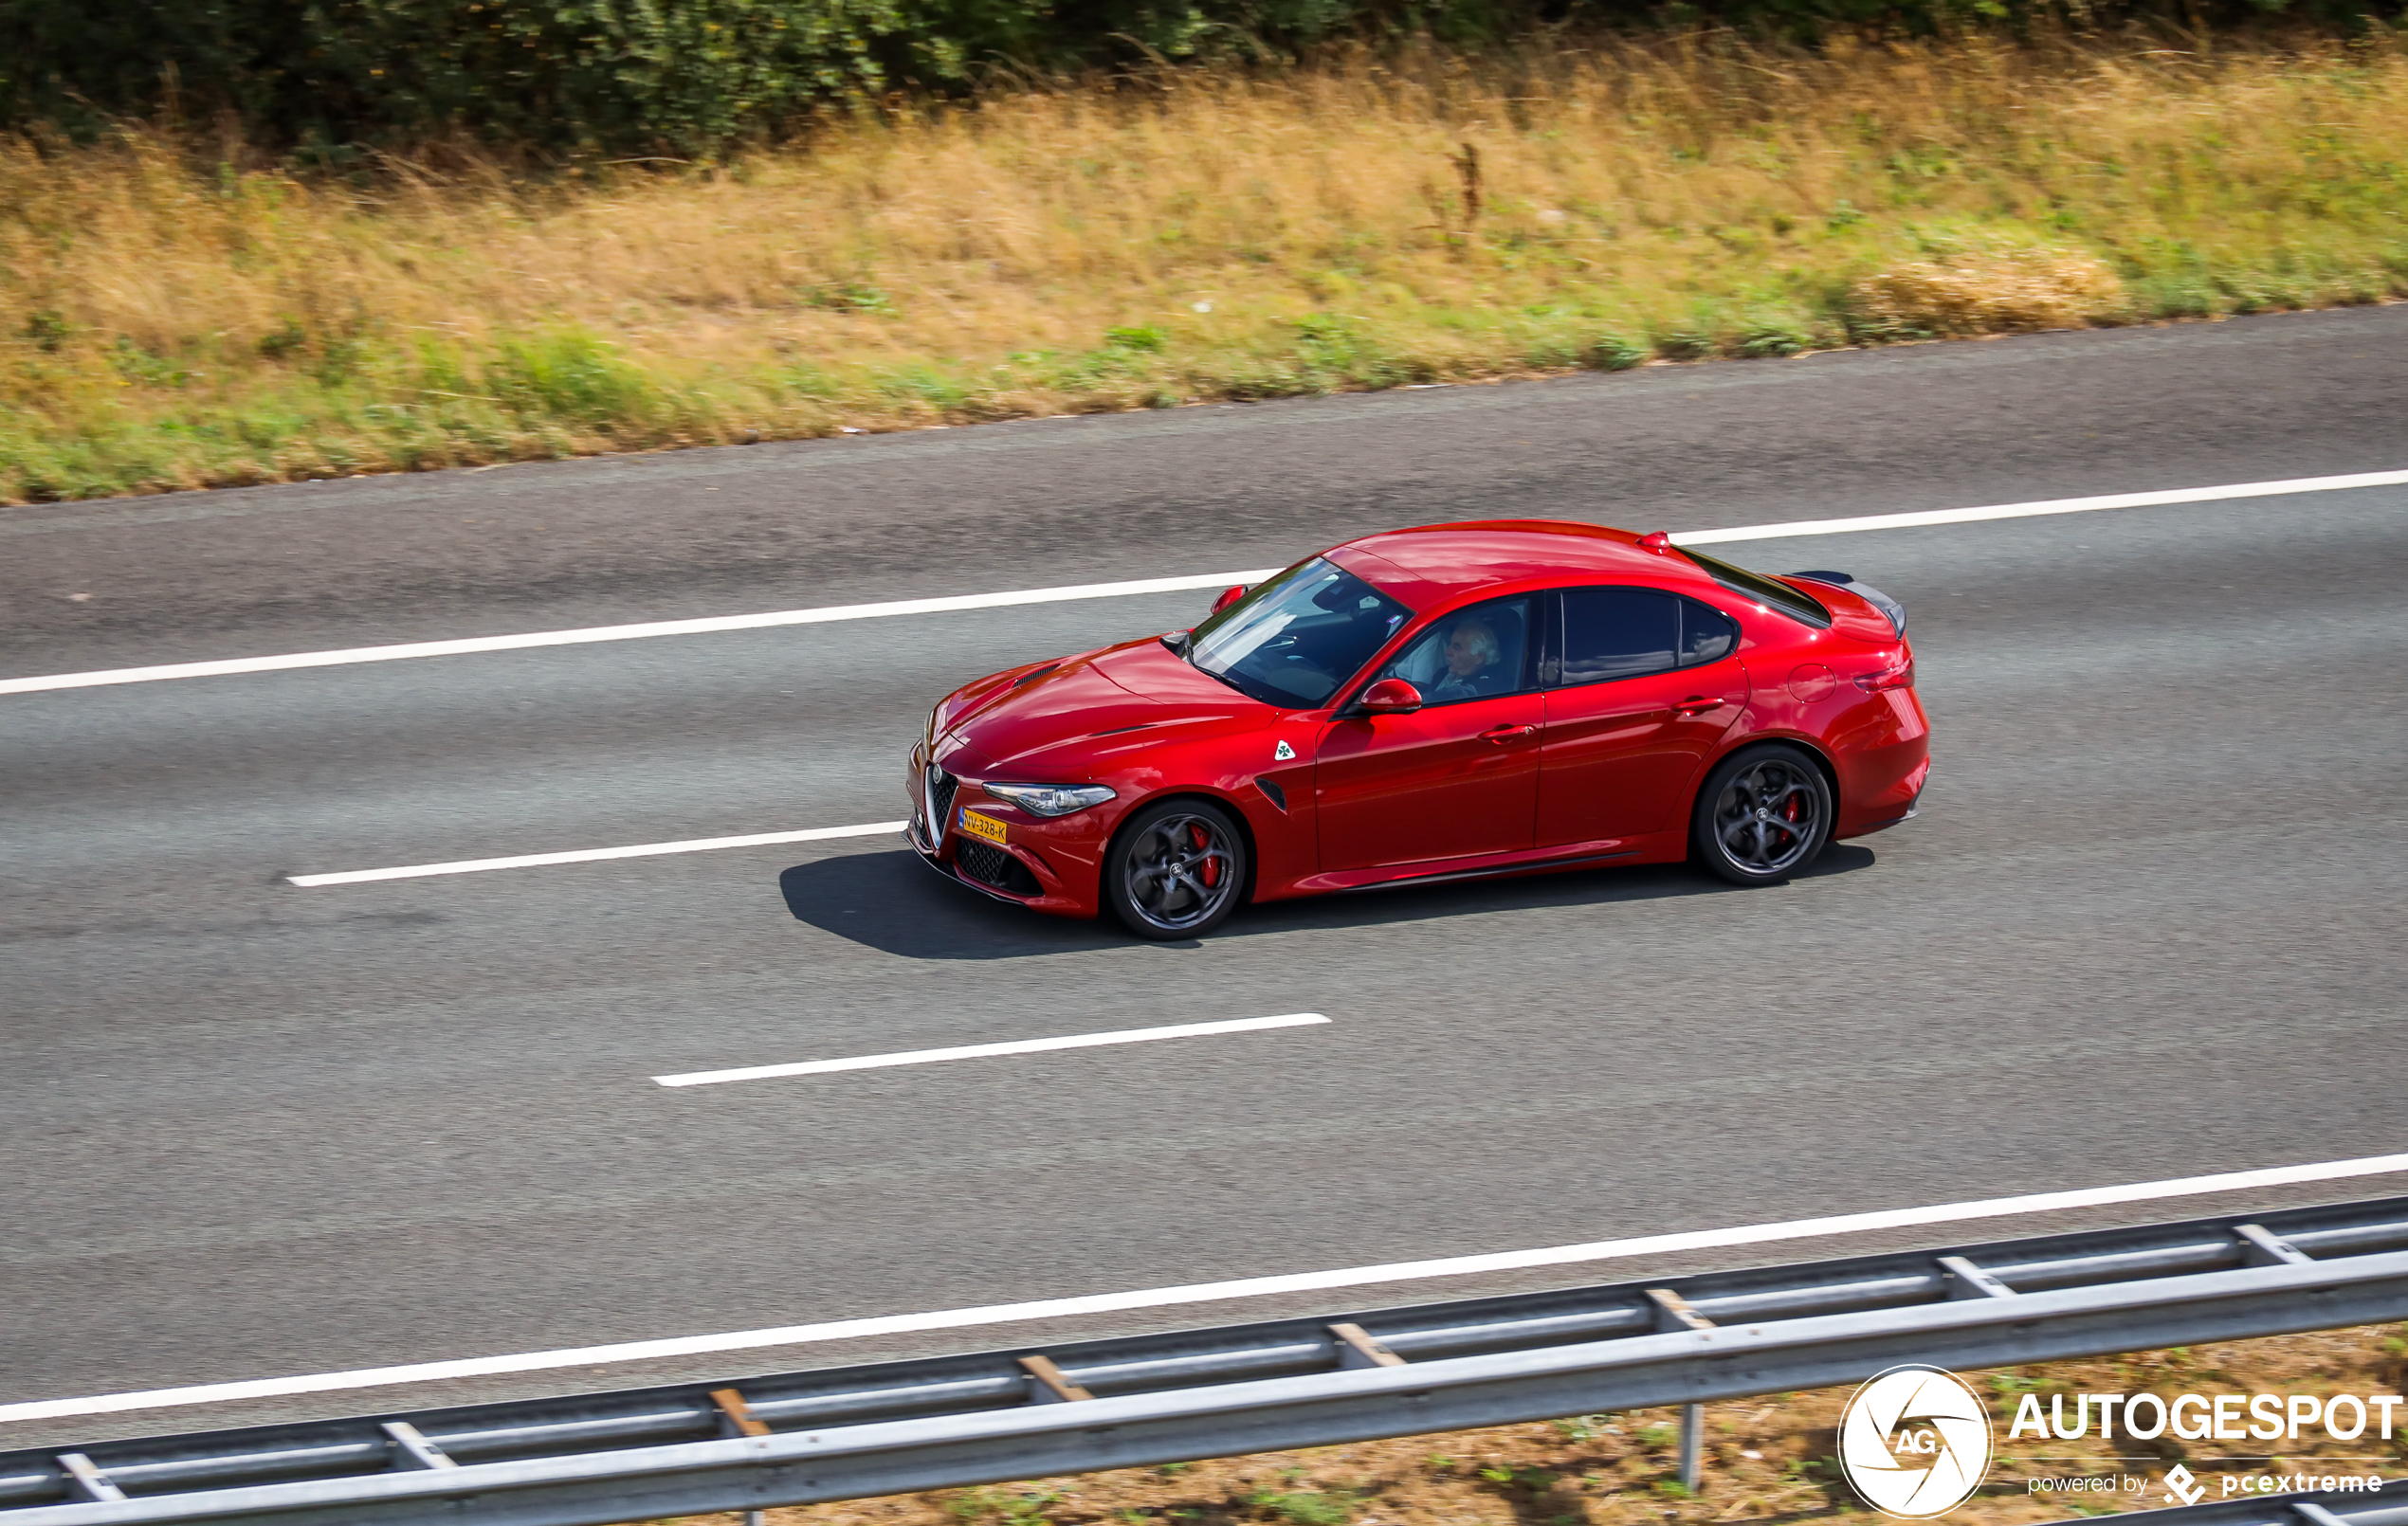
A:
{"points": [[1062, 723]]}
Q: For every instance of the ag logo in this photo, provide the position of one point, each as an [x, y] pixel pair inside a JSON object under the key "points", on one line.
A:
{"points": [[1281, 753], [1915, 1441]]}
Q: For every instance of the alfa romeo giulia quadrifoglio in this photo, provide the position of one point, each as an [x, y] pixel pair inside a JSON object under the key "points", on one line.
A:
{"points": [[1453, 701]]}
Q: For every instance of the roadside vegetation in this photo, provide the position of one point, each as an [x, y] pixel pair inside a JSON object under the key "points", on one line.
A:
{"points": [[1768, 1459], [180, 310]]}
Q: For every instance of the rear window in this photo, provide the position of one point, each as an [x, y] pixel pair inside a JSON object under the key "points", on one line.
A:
{"points": [[1707, 634], [1614, 632], [1618, 634], [1789, 601]]}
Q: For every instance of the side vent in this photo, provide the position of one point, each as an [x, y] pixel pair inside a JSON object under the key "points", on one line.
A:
{"points": [[1273, 792]]}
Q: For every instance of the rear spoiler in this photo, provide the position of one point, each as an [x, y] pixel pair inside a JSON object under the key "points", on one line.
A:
{"points": [[1887, 606]]}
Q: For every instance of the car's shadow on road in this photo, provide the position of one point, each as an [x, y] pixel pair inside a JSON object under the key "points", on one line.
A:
{"points": [[890, 902], [895, 903]]}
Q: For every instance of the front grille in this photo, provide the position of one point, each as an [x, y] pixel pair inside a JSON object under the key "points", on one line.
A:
{"points": [[940, 787], [991, 865]]}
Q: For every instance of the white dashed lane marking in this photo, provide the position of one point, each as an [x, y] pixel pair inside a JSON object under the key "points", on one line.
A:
{"points": [[981, 1052]]}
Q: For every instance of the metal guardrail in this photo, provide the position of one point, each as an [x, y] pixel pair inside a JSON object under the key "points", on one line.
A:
{"points": [[2387, 1506], [851, 1432]]}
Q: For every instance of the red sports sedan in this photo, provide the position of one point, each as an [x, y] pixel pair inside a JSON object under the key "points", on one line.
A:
{"points": [[1456, 702]]}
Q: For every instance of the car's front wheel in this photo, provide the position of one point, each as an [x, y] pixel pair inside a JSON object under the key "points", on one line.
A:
{"points": [[1176, 869], [1762, 815]]}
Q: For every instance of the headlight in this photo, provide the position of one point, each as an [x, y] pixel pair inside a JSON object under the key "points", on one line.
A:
{"points": [[1050, 799]]}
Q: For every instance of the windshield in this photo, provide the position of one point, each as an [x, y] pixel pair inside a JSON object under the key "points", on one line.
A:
{"points": [[1295, 639]]}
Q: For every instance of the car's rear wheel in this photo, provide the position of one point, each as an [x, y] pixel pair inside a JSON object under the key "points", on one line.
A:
{"points": [[1762, 815], [1176, 870]]}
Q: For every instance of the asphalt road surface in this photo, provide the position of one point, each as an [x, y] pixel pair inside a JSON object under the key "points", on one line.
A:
{"points": [[2150, 924]]}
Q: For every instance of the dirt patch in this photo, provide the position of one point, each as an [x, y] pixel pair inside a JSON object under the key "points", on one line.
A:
{"points": [[1765, 1460]]}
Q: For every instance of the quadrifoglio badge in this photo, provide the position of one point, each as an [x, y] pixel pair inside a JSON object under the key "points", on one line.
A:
{"points": [[1915, 1441]]}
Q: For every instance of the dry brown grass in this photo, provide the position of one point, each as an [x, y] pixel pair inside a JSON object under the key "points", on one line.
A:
{"points": [[2013, 293], [170, 318], [1766, 1460]]}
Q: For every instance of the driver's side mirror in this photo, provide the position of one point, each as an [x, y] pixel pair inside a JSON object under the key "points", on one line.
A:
{"points": [[1228, 596], [1390, 697]]}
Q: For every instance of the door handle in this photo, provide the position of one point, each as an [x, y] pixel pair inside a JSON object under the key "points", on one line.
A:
{"points": [[1501, 735], [1697, 704]]}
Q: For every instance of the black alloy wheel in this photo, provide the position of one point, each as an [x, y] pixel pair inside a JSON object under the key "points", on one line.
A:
{"points": [[1176, 869], [1762, 815]]}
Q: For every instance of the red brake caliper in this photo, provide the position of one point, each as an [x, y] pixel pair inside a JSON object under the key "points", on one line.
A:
{"points": [[1212, 867]]}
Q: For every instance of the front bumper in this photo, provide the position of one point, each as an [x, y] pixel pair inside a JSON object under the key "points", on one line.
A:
{"points": [[1045, 864]]}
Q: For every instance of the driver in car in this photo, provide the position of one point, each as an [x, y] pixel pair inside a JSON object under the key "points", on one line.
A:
{"points": [[1471, 665]]}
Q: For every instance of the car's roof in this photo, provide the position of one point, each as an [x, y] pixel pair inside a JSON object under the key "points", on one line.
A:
{"points": [[1437, 563]]}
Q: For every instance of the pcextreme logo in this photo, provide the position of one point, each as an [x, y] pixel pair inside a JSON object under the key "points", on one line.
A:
{"points": [[1915, 1441], [2182, 1486]]}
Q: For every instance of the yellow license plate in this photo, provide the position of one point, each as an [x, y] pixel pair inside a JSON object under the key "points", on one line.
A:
{"points": [[986, 827]]}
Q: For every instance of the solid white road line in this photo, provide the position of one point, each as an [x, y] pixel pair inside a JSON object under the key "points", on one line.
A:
{"points": [[2029, 511], [1253, 1287], [976, 1051], [1156, 585], [588, 855], [638, 632]]}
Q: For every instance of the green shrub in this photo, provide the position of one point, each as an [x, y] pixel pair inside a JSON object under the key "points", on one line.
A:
{"points": [[689, 78], [1614, 352], [572, 375], [1305, 1507]]}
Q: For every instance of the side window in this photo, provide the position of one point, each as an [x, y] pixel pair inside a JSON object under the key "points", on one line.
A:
{"points": [[1470, 654], [1618, 634], [1707, 635]]}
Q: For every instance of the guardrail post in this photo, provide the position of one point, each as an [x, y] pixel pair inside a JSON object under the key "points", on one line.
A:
{"points": [[1358, 1348], [412, 1449], [87, 1483], [1673, 1312], [1966, 1280], [2268, 1249], [1047, 1386], [736, 1419]]}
